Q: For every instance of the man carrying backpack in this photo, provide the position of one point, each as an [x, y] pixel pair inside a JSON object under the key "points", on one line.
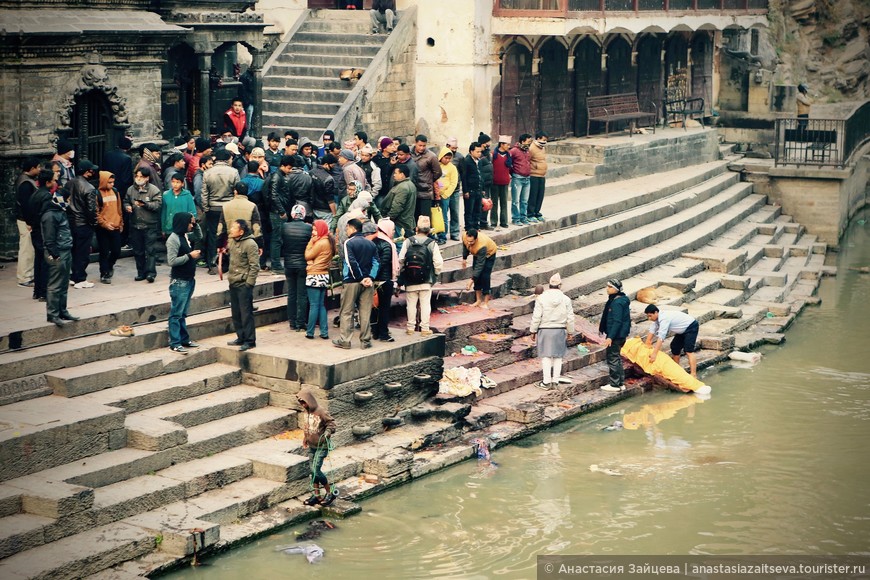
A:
{"points": [[420, 262]]}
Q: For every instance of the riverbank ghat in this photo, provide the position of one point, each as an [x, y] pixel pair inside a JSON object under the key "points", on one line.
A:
{"points": [[119, 457]]}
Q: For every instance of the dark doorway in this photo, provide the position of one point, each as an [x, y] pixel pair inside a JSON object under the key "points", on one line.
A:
{"points": [[557, 94], [649, 72], [620, 75], [91, 125], [587, 77], [676, 53], [180, 74], [517, 111], [702, 68]]}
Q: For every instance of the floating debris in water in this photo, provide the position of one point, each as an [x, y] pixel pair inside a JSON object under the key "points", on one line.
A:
{"points": [[606, 471], [615, 426], [313, 553]]}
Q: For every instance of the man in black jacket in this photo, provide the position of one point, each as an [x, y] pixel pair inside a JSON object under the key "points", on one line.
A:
{"points": [[36, 206], [83, 220], [289, 186], [25, 187], [58, 239], [472, 186], [615, 324], [294, 238]]}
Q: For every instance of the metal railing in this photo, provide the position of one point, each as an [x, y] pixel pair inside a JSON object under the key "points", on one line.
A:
{"points": [[821, 142], [562, 8]]}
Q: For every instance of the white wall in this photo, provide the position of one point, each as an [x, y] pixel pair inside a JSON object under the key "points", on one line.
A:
{"points": [[454, 77]]}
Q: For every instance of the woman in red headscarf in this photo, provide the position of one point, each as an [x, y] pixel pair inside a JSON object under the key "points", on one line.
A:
{"points": [[318, 255]]}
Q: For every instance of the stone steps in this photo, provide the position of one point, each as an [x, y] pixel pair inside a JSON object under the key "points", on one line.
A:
{"points": [[209, 438], [163, 390], [80, 555], [52, 504], [308, 69], [569, 239], [105, 374], [148, 304], [634, 251], [28, 366]]}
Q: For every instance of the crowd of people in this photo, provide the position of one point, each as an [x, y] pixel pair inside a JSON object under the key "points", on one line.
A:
{"points": [[303, 206]]}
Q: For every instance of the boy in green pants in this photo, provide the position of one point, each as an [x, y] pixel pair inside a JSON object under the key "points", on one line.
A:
{"points": [[317, 427]]}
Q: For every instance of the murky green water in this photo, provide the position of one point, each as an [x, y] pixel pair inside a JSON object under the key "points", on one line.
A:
{"points": [[776, 462]]}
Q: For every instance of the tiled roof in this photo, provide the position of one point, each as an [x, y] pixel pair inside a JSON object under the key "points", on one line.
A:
{"points": [[73, 22]]}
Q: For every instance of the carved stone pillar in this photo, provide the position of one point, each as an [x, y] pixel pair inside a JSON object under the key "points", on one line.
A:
{"points": [[256, 68], [204, 93]]}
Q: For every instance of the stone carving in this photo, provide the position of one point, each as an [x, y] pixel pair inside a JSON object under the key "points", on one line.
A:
{"points": [[93, 76], [211, 17]]}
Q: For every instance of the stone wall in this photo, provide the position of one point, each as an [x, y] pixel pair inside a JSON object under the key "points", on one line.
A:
{"points": [[390, 110], [823, 200], [35, 98]]}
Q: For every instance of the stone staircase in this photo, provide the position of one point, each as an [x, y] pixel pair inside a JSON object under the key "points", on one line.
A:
{"points": [[131, 459], [301, 88]]}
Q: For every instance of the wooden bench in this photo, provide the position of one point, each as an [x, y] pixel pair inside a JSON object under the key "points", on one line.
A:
{"points": [[685, 107], [611, 108], [820, 142]]}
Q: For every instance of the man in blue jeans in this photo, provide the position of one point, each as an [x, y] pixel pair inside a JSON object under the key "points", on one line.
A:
{"points": [[182, 259], [521, 171]]}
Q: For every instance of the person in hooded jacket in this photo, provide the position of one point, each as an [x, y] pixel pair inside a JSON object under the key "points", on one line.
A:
{"points": [[317, 426], [181, 257], [615, 325], [552, 326], [295, 235], [446, 193], [110, 225]]}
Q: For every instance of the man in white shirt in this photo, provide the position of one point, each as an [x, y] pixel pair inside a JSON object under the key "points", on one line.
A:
{"points": [[684, 328]]}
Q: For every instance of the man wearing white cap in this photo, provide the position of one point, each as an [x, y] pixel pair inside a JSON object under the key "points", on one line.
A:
{"points": [[615, 324], [501, 181], [552, 327]]}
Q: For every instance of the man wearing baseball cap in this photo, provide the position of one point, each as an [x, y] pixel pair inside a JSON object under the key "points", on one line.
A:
{"points": [[615, 325]]}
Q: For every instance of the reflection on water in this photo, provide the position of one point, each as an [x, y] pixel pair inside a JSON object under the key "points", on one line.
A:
{"points": [[775, 462]]}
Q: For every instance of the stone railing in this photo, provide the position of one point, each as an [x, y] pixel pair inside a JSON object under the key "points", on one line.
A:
{"points": [[347, 118], [564, 8]]}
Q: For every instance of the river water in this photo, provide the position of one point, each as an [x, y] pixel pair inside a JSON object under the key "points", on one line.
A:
{"points": [[775, 462]]}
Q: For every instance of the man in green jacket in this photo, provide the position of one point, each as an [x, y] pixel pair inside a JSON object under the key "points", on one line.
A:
{"points": [[244, 267], [401, 201], [175, 200]]}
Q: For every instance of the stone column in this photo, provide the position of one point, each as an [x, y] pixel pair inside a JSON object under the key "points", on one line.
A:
{"points": [[204, 93], [256, 68]]}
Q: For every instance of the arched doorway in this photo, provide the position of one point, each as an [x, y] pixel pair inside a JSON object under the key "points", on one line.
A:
{"points": [[620, 75], [587, 80], [91, 125], [557, 102], [649, 71], [518, 108], [702, 68]]}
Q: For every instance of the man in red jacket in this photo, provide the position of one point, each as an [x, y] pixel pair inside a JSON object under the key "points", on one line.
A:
{"points": [[501, 180], [520, 179]]}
